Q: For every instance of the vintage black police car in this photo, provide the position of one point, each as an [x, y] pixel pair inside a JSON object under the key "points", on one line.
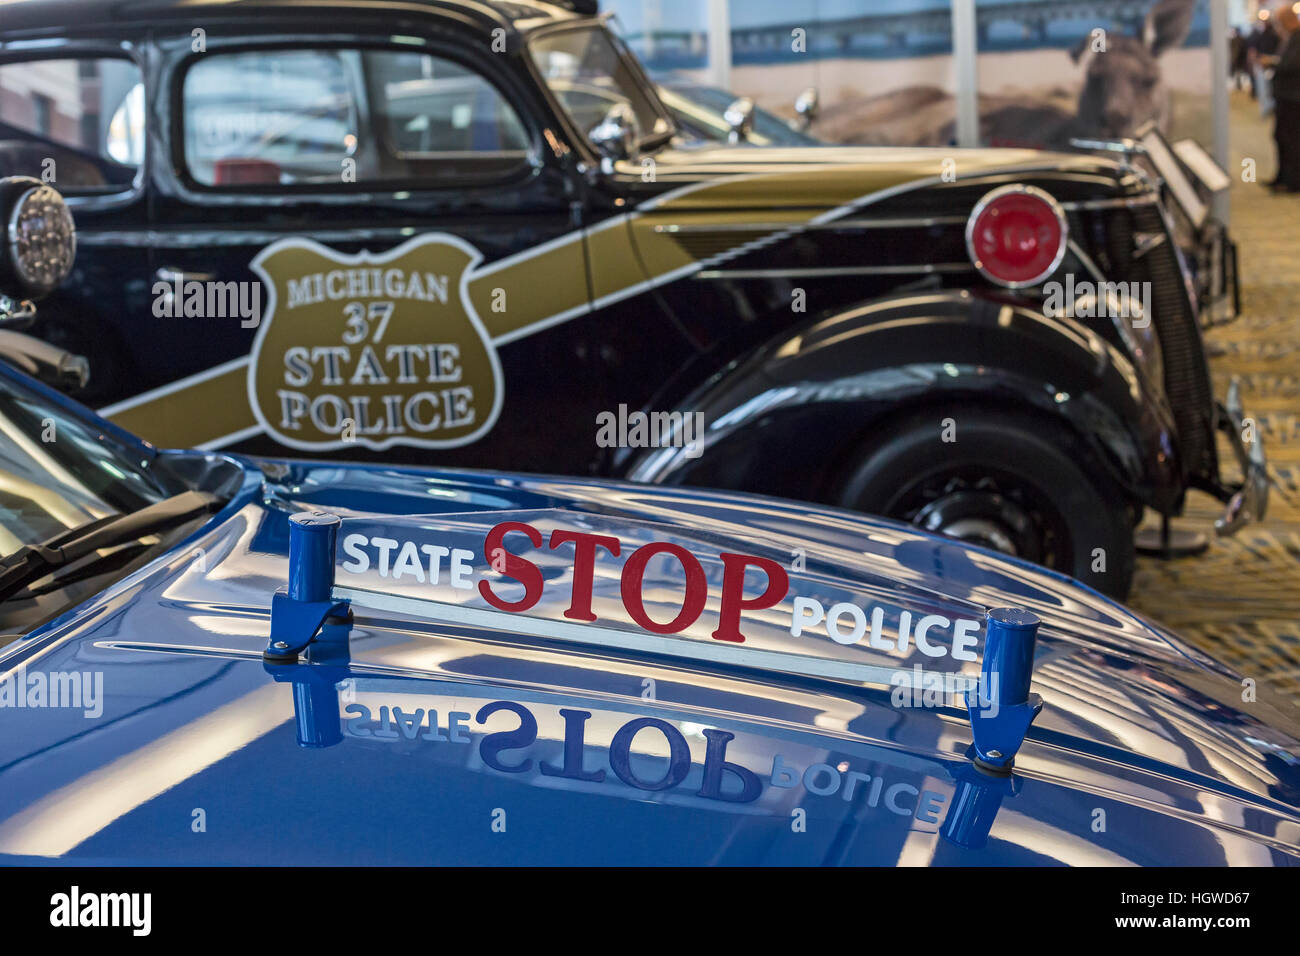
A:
{"points": [[454, 231]]}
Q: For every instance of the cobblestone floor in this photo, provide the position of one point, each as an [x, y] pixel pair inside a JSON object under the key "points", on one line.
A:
{"points": [[1241, 599]]}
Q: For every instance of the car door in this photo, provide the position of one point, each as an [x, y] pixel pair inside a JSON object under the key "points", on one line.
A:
{"points": [[348, 234], [72, 116]]}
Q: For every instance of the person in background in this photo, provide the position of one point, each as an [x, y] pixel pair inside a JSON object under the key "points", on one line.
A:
{"points": [[1261, 44], [1238, 71], [1286, 94]]}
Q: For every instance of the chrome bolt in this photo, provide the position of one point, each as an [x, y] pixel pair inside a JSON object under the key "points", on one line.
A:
{"points": [[281, 645], [995, 754]]}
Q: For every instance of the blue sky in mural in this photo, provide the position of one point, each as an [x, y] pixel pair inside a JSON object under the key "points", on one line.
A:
{"points": [[747, 13], [693, 14], [1046, 23]]}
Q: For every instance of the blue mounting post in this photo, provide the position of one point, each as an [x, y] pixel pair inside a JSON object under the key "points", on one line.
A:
{"points": [[299, 611], [1002, 708], [315, 698], [975, 804]]}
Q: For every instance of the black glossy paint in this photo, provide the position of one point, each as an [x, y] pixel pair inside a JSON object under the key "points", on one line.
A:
{"points": [[699, 343]]}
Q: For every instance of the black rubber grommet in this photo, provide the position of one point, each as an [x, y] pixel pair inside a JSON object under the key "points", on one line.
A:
{"points": [[992, 770]]}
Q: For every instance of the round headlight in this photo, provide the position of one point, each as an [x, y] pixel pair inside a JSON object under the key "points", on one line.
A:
{"points": [[40, 238], [1016, 235]]}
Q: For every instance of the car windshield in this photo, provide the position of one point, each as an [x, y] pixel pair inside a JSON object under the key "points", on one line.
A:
{"points": [[589, 73], [57, 473]]}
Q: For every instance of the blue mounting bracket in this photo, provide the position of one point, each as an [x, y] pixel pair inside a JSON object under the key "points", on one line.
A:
{"points": [[299, 611], [1001, 708]]}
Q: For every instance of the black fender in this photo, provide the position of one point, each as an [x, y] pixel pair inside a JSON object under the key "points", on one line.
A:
{"points": [[788, 418]]}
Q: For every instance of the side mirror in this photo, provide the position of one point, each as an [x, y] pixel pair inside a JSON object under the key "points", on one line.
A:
{"points": [[616, 136], [740, 118], [37, 247], [806, 106]]}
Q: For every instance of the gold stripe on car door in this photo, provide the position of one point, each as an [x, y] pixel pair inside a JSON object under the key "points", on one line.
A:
{"points": [[190, 412]]}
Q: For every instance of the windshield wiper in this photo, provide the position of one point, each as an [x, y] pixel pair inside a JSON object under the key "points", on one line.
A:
{"points": [[34, 561]]}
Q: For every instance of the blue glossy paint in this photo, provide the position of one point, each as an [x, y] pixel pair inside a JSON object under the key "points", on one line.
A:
{"points": [[401, 739]]}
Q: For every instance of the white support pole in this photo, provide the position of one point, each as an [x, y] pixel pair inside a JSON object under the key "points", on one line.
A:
{"points": [[965, 42], [652, 17], [720, 44], [1219, 98]]}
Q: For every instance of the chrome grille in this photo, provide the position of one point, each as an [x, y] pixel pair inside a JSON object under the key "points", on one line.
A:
{"points": [[1187, 375]]}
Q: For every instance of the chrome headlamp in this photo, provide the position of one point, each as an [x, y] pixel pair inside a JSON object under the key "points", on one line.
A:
{"points": [[40, 239]]}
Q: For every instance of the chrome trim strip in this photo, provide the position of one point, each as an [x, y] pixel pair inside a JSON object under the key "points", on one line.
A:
{"points": [[1086, 260], [1126, 202], [1123, 202], [1122, 144], [204, 238], [900, 223], [828, 271], [589, 635], [1144, 242]]}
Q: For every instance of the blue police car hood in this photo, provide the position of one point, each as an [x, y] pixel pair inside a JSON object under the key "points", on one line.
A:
{"points": [[427, 736]]}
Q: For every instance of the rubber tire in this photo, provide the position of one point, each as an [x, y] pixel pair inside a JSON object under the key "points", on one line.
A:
{"points": [[1096, 514]]}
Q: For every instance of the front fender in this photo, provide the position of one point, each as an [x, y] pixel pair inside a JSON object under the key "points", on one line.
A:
{"points": [[787, 418]]}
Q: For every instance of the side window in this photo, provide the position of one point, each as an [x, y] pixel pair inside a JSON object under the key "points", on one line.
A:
{"points": [[283, 117], [315, 117], [427, 108], [75, 123]]}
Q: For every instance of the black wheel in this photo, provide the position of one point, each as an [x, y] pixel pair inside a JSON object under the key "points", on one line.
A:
{"points": [[1007, 483]]}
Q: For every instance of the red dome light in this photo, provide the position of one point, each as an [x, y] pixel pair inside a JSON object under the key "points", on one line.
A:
{"points": [[1016, 235]]}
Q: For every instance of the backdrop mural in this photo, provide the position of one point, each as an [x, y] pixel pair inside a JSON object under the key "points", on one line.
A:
{"points": [[1054, 70], [1048, 70]]}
